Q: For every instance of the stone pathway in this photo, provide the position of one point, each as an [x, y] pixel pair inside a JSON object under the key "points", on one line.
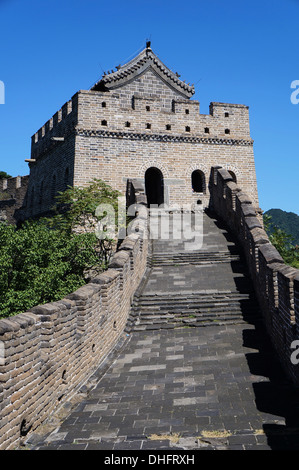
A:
{"points": [[193, 376]]}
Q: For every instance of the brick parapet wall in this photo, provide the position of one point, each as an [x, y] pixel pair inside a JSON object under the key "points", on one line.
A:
{"points": [[47, 353], [276, 284], [12, 194], [96, 107], [59, 125]]}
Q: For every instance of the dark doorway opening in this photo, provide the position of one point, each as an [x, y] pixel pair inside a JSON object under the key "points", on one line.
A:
{"points": [[154, 186], [198, 181]]}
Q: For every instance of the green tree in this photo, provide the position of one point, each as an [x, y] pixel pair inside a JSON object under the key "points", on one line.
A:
{"points": [[76, 207], [283, 242], [4, 175], [76, 211], [46, 259], [39, 265]]}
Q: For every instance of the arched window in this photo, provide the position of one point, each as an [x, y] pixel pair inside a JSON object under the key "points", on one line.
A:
{"points": [[198, 181], [233, 176]]}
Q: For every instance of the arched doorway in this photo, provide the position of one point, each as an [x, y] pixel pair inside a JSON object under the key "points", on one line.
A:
{"points": [[154, 186]]}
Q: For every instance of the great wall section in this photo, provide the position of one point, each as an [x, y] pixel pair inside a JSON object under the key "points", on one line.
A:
{"points": [[169, 348], [57, 352]]}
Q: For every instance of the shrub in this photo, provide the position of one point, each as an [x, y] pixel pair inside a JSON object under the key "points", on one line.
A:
{"points": [[46, 259]]}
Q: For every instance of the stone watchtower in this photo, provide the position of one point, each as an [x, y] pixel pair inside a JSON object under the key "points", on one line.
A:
{"points": [[140, 122]]}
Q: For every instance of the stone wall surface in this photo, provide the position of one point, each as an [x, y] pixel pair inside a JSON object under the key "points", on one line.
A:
{"points": [[47, 353], [276, 284]]}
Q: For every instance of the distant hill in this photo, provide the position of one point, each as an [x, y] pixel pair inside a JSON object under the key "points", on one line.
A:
{"points": [[286, 221]]}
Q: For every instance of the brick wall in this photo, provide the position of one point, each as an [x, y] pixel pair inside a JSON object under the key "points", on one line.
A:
{"points": [[276, 284], [47, 353]]}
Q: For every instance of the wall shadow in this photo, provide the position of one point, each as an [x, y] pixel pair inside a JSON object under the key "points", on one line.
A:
{"points": [[275, 394], [276, 397]]}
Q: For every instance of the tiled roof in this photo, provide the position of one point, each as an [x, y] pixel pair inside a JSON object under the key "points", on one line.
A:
{"points": [[137, 66]]}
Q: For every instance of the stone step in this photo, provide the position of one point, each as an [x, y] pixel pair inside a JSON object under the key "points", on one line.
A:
{"points": [[193, 258], [160, 310], [196, 313], [148, 304], [196, 307], [195, 254], [196, 295], [174, 314], [195, 323], [198, 316]]}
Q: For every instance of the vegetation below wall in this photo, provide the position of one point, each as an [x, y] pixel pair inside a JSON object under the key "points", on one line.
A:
{"points": [[286, 221], [283, 240], [46, 259]]}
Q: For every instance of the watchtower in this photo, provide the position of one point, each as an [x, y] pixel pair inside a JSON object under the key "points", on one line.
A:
{"points": [[140, 121]]}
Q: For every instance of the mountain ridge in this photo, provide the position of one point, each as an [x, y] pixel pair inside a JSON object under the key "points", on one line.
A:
{"points": [[286, 221]]}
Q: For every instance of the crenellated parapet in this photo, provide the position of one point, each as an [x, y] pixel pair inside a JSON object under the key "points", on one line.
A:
{"points": [[276, 284], [102, 113], [9, 186], [55, 130], [12, 194]]}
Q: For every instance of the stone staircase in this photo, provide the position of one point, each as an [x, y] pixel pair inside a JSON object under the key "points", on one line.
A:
{"points": [[194, 257], [194, 288], [195, 310]]}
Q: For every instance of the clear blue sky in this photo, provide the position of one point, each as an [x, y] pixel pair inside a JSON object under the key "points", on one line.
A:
{"points": [[234, 51]]}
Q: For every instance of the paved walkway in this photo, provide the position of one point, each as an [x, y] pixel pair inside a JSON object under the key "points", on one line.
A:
{"points": [[217, 386]]}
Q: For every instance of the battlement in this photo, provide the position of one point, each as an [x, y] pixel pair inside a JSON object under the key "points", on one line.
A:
{"points": [[55, 129], [147, 114], [9, 186], [12, 195], [276, 284], [95, 110]]}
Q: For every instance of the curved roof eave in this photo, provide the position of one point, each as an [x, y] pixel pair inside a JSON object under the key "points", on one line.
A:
{"points": [[136, 67]]}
